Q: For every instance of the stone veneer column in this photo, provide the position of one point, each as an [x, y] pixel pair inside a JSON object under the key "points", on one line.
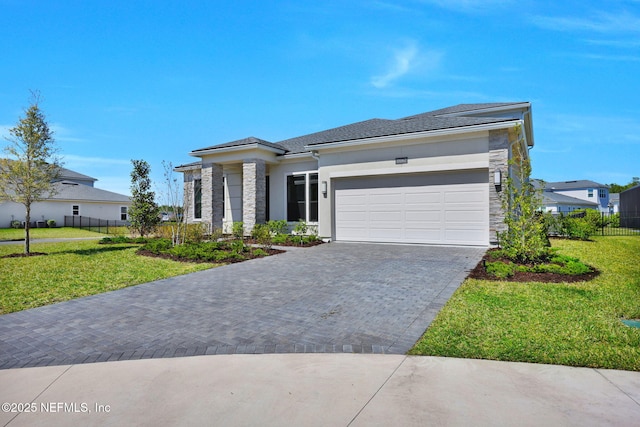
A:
{"points": [[254, 193], [498, 159], [212, 188]]}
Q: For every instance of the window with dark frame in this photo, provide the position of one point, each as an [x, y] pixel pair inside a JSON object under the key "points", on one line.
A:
{"points": [[75, 210], [123, 213], [197, 198], [299, 187]]}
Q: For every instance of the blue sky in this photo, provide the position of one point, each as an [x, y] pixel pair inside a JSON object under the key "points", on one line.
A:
{"points": [[153, 80]]}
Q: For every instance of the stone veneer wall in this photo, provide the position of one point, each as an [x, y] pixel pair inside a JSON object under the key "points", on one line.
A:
{"points": [[254, 193], [187, 195], [212, 194], [498, 159]]}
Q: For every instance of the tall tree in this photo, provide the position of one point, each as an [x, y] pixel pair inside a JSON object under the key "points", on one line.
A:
{"points": [[144, 212], [31, 164]]}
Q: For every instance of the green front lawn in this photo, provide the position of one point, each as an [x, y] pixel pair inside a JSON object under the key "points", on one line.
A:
{"points": [[575, 324], [46, 233], [76, 269]]}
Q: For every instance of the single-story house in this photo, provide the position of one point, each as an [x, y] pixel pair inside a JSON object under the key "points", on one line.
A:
{"points": [[75, 195], [588, 191], [431, 178]]}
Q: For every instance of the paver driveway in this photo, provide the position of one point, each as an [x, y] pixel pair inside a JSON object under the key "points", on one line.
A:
{"points": [[338, 297]]}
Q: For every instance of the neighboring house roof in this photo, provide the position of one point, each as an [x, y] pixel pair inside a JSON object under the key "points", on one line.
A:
{"points": [[614, 198], [458, 116], [69, 190], [551, 198], [68, 174], [573, 185]]}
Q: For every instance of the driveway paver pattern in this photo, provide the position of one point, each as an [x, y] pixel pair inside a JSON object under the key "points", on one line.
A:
{"points": [[338, 297]]}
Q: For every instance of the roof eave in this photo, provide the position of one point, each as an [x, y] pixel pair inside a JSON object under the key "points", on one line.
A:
{"points": [[245, 147], [430, 133]]}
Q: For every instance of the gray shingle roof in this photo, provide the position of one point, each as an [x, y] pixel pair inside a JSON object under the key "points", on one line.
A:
{"points": [[465, 108], [73, 175], [430, 121], [240, 142], [550, 198], [68, 190], [379, 127], [572, 185]]}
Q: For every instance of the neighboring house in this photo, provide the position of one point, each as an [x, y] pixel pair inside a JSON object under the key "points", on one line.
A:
{"points": [[75, 196], [429, 178], [630, 207], [614, 203], [587, 191], [559, 203]]}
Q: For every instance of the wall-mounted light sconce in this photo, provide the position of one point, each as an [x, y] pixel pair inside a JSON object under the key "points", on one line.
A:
{"points": [[324, 188], [497, 178]]}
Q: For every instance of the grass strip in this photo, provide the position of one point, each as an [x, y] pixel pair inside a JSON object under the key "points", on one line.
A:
{"points": [[76, 269], [575, 324]]}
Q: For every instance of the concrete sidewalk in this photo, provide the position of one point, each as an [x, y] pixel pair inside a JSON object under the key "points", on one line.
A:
{"points": [[319, 390]]}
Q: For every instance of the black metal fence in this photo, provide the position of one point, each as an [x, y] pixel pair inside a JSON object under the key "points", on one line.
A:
{"points": [[614, 224], [93, 224], [618, 224]]}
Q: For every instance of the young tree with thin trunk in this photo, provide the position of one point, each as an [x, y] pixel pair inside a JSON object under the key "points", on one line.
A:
{"points": [[177, 204], [525, 239], [144, 212], [31, 165]]}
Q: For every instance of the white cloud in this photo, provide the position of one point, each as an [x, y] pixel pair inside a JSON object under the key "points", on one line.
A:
{"points": [[602, 22], [63, 134], [407, 60], [401, 65]]}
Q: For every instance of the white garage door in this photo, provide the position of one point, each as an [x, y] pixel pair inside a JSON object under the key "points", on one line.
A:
{"points": [[418, 208]]}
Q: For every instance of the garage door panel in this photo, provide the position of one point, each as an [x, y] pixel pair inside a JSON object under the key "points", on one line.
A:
{"points": [[446, 209], [463, 197], [350, 198], [427, 197], [380, 216], [423, 216]]}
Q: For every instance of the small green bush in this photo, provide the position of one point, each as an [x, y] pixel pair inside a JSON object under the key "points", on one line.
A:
{"points": [[238, 230], [51, 223], [301, 228], [158, 246], [261, 233], [614, 220], [259, 252], [280, 239], [196, 232], [16, 224], [500, 269], [279, 226]]}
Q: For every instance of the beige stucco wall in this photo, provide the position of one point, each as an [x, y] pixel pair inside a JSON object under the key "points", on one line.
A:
{"points": [[459, 152], [278, 183]]}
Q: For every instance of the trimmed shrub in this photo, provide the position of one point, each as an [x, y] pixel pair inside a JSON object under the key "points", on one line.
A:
{"points": [[278, 226]]}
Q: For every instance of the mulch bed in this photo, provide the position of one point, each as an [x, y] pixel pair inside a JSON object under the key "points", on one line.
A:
{"points": [[247, 256], [480, 273], [295, 245]]}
